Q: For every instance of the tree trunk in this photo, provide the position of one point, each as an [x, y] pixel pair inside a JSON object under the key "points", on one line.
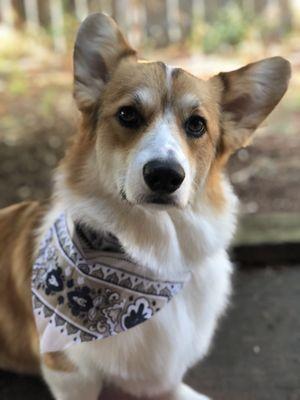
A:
{"points": [[210, 9], [186, 17], [44, 13], [101, 5], [19, 13], [81, 9], [32, 13], [57, 25], [7, 12], [173, 18], [137, 23], [286, 15]]}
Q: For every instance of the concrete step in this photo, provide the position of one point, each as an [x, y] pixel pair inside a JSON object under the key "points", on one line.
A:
{"points": [[271, 239]]}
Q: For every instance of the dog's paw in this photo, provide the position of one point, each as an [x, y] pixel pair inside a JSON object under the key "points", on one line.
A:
{"points": [[197, 396], [202, 397], [186, 393]]}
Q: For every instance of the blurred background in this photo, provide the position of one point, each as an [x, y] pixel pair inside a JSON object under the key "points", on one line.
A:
{"points": [[38, 116], [37, 113]]}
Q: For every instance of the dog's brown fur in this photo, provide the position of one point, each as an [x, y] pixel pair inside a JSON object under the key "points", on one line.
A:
{"points": [[58, 361], [19, 350]]}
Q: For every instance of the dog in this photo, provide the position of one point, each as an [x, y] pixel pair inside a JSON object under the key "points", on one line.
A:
{"points": [[142, 187]]}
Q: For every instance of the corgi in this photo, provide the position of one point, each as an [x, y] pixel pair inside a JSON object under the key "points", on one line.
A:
{"points": [[141, 194]]}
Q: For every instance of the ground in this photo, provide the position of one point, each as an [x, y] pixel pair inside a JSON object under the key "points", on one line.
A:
{"points": [[256, 354]]}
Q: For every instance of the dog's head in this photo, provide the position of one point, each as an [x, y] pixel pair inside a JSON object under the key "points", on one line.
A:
{"points": [[154, 134]]}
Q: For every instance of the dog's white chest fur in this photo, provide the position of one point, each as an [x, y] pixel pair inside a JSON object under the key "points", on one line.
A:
{"points": [[155, 355]]}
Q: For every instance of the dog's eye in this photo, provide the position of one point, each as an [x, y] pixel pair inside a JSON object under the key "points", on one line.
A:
{"points": [[195, 126], [129, 117]]}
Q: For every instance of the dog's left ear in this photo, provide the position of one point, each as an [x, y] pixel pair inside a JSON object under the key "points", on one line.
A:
{"points": [[99, 47], [249, 94]]}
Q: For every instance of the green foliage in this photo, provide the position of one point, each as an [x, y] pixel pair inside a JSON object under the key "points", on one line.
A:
{"points": [[47, 103], [70, 28], [17, 85], [228, 29], [14, 80]]}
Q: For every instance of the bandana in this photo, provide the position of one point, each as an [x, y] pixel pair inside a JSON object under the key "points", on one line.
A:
{"points": [[83, 287]]}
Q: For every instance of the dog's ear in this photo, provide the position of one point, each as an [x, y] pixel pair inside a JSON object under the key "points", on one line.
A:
{"points": [[249, 94], [99, 47]]}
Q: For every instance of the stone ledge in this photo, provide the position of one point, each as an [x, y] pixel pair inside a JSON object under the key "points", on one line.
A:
{"points": [[267, 239]]}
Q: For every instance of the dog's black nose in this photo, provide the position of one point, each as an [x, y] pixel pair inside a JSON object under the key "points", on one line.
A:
{"points": [[163, 176]]}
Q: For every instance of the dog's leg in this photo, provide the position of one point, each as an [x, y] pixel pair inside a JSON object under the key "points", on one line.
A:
{"points": [[72, 385]]}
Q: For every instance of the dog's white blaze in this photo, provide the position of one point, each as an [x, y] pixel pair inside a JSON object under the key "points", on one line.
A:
{"points": [[169, 78], [161, 142], [188, 100], [145, 95]]}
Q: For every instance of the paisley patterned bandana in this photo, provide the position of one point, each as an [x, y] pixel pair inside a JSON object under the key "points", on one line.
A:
{"points": [[83, 290]]}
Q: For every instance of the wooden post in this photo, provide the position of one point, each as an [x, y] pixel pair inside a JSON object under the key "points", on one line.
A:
{"points": [[286, 15], [198, 9], [44, 13], [186, 17], [260, 5], [157, 29], [57, 25], [102, 5], [6, 11], [120, 12], [137, 23], [295, 6], [211, 7], [19, 13], [249, 7], [172, 13], [81, 9], [31, 13]]}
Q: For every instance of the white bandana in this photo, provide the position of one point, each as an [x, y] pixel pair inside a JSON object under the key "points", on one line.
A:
{"points": [[82, 289]]}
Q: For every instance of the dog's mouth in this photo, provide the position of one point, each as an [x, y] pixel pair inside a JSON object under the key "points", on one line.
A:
{"points": [[160, 199], [151, 199]]}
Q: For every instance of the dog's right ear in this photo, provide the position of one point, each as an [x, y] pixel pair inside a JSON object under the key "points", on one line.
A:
{"points": [[99, 47]]}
